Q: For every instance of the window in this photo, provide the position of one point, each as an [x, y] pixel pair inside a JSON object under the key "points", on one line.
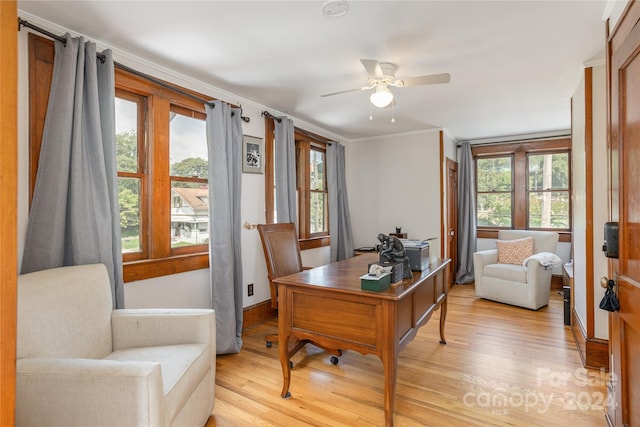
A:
{"points": [[523, 186], [548, 188], [495, 191], [313, 212], [162, 168], [163, 179], [311, 180]]}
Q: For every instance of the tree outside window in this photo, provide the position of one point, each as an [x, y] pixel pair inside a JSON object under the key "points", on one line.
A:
{"points": [[523, 185]]}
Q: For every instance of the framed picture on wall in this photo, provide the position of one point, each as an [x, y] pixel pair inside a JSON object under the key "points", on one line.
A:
{"points": [[252, 155]]}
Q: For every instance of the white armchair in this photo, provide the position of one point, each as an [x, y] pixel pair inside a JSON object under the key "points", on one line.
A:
{"points": [[80, 363], [511, 283]]}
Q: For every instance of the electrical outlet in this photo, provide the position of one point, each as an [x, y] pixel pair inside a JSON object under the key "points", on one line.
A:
{"points": [[250, 289]]}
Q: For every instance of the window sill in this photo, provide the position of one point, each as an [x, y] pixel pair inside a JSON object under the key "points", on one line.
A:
{"points": [[150, 268], [316, 242], [564, 236]]}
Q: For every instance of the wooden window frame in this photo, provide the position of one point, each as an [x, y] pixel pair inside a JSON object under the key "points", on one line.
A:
{"points": [[305, 141], [520, 151], [157, 258]]}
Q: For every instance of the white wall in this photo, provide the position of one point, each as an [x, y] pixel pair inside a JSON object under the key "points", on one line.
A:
{"points": [[600, 200], [395, 182], [578, 200], [600, 196]]}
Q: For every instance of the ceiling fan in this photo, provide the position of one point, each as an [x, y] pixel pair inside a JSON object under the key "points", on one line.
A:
{"points": [[382, 75]]}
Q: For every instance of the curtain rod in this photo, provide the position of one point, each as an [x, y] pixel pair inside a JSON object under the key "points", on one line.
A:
{"points": [[311, 135], [61, 39], [512, 141]]}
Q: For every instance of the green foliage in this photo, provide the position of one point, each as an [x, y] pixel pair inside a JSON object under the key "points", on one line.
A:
{"points": [[127, 151], [192, 167], [547, 184]]}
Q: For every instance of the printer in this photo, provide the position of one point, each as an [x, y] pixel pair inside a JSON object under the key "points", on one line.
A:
{"points": [[418, 253]]}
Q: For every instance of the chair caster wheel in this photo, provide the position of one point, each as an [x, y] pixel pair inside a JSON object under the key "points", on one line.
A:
{"points": [[334, 360], [269, 344], [286, 396]]}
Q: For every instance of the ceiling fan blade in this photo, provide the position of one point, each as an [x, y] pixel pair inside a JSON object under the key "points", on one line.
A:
{"points": [[424, 80], [373, 67], [347, 91]]}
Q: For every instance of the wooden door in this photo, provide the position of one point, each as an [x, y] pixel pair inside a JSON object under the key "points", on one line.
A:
{"points": [[452, 219], [624, 152], [8, 206]]}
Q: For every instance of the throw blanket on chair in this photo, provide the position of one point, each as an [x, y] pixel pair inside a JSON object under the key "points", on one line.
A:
{"points": [[546, 259]]}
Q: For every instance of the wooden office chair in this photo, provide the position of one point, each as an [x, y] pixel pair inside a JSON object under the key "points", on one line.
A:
{"points": [[282, 255]]}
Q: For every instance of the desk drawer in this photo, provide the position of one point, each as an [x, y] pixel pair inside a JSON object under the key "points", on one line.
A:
{"points": [[337, 318]]}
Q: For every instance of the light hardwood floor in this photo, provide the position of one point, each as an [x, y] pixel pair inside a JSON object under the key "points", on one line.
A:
{"points": [[502, 366]]}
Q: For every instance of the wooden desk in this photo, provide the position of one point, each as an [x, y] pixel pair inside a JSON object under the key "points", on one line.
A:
{"points": [[326, 305]]}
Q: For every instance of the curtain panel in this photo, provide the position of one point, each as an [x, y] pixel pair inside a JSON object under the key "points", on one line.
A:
{"points": [[467, 229], [224, 141], [75, 217], [285, 170], [339, 217]]}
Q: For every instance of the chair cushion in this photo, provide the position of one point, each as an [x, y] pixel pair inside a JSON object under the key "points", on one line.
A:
{"points": [[182, 366], [511, 272], [514, 251]]}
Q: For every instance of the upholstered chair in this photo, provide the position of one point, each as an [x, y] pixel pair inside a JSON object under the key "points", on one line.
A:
{"points": [[81, 363], [518, 272]]}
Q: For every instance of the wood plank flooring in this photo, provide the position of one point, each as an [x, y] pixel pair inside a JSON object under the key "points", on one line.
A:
{"points": [[502, 366]]}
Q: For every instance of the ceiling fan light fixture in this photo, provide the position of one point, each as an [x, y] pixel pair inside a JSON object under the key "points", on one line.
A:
{"points": [[382, 96]]}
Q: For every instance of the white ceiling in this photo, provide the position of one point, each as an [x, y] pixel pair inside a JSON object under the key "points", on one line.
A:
{"points": [[513, 64]]}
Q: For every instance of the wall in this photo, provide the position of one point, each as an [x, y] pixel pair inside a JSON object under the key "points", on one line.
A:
{"points": [[182, 290], [600, 195], [599, 192], [394, 182], [578, 199]]}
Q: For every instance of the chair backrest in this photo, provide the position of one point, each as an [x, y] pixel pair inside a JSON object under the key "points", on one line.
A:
{"points": [[65, 313], [543, 241], [281, 252]]}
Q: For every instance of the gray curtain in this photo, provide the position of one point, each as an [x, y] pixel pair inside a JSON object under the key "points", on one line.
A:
{"points": [[224, 141], [74, 217], [466, 215], [285, 170], [339, 218]]}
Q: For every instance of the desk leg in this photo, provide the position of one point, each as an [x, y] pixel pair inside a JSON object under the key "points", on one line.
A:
{"points": [[286, 367], [443, 317], [284, 334]]}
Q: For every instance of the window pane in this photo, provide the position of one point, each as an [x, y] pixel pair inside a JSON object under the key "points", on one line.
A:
{"points": [[316, 170], [189, 213], [127, 135], [549, 171], [494, 174], [318, 212], [494, 210], [129, 198], [188, 147], [549, 209]]}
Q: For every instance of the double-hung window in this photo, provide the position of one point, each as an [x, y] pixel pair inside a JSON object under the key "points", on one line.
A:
{"points": [[162, 168], [311, 186], [523, 186], [163, 178]]}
